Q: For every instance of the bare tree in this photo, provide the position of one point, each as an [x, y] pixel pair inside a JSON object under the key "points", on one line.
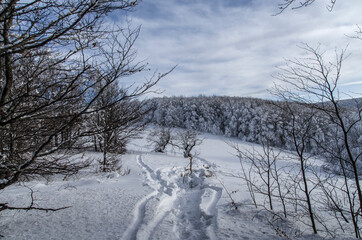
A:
{"points": [[160, 139], [313, 83], [57, 58], [247, 175], [301, 128], [117, 119], [187, 141], [264, 165]]}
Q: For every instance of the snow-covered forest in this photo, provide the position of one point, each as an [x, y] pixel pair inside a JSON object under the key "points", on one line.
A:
{"points": [[86, 154], [249, 119]]}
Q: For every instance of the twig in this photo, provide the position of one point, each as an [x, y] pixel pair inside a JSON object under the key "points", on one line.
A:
{"points": [[5, 206], [228, 193]]}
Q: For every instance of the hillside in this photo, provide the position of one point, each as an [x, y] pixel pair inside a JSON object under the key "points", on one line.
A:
{"points": [[351, 103], [157, 200]]}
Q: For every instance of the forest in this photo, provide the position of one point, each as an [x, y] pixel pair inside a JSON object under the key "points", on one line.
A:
{"points": [[252, 120]]}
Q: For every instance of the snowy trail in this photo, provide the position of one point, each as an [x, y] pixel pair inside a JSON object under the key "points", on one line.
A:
{"points": [[186, 206]]}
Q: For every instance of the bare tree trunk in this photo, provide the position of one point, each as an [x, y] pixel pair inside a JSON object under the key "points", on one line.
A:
{"points": [[95, 143], [307, 195], [354, 216], [191, 158], [8, 69], [300, 138], [104, 160], [105, 145], [269, 189]]}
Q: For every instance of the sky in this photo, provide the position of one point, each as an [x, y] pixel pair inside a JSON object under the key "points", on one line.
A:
{"points": [[234, 47]]}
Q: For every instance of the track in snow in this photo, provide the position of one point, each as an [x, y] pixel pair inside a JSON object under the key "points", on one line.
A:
{"points": [[181, 207]]}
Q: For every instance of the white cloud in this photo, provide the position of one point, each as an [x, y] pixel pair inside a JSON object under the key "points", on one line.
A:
{"points": [[233, 50]]}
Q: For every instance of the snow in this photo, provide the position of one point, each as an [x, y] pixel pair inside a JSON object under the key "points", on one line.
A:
{"points": [[157, 200]]}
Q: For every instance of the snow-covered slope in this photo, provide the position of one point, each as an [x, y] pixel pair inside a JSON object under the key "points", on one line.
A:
{"points": [[157, 200]]}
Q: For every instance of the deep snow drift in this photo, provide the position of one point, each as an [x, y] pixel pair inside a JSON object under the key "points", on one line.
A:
{"points": [[157, 200]]}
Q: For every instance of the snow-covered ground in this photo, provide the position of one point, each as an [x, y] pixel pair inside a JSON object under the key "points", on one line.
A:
{"points": [[157, 200]]}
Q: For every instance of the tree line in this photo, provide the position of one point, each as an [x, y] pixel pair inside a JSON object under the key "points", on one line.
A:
{"points": [[249, 119]]}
